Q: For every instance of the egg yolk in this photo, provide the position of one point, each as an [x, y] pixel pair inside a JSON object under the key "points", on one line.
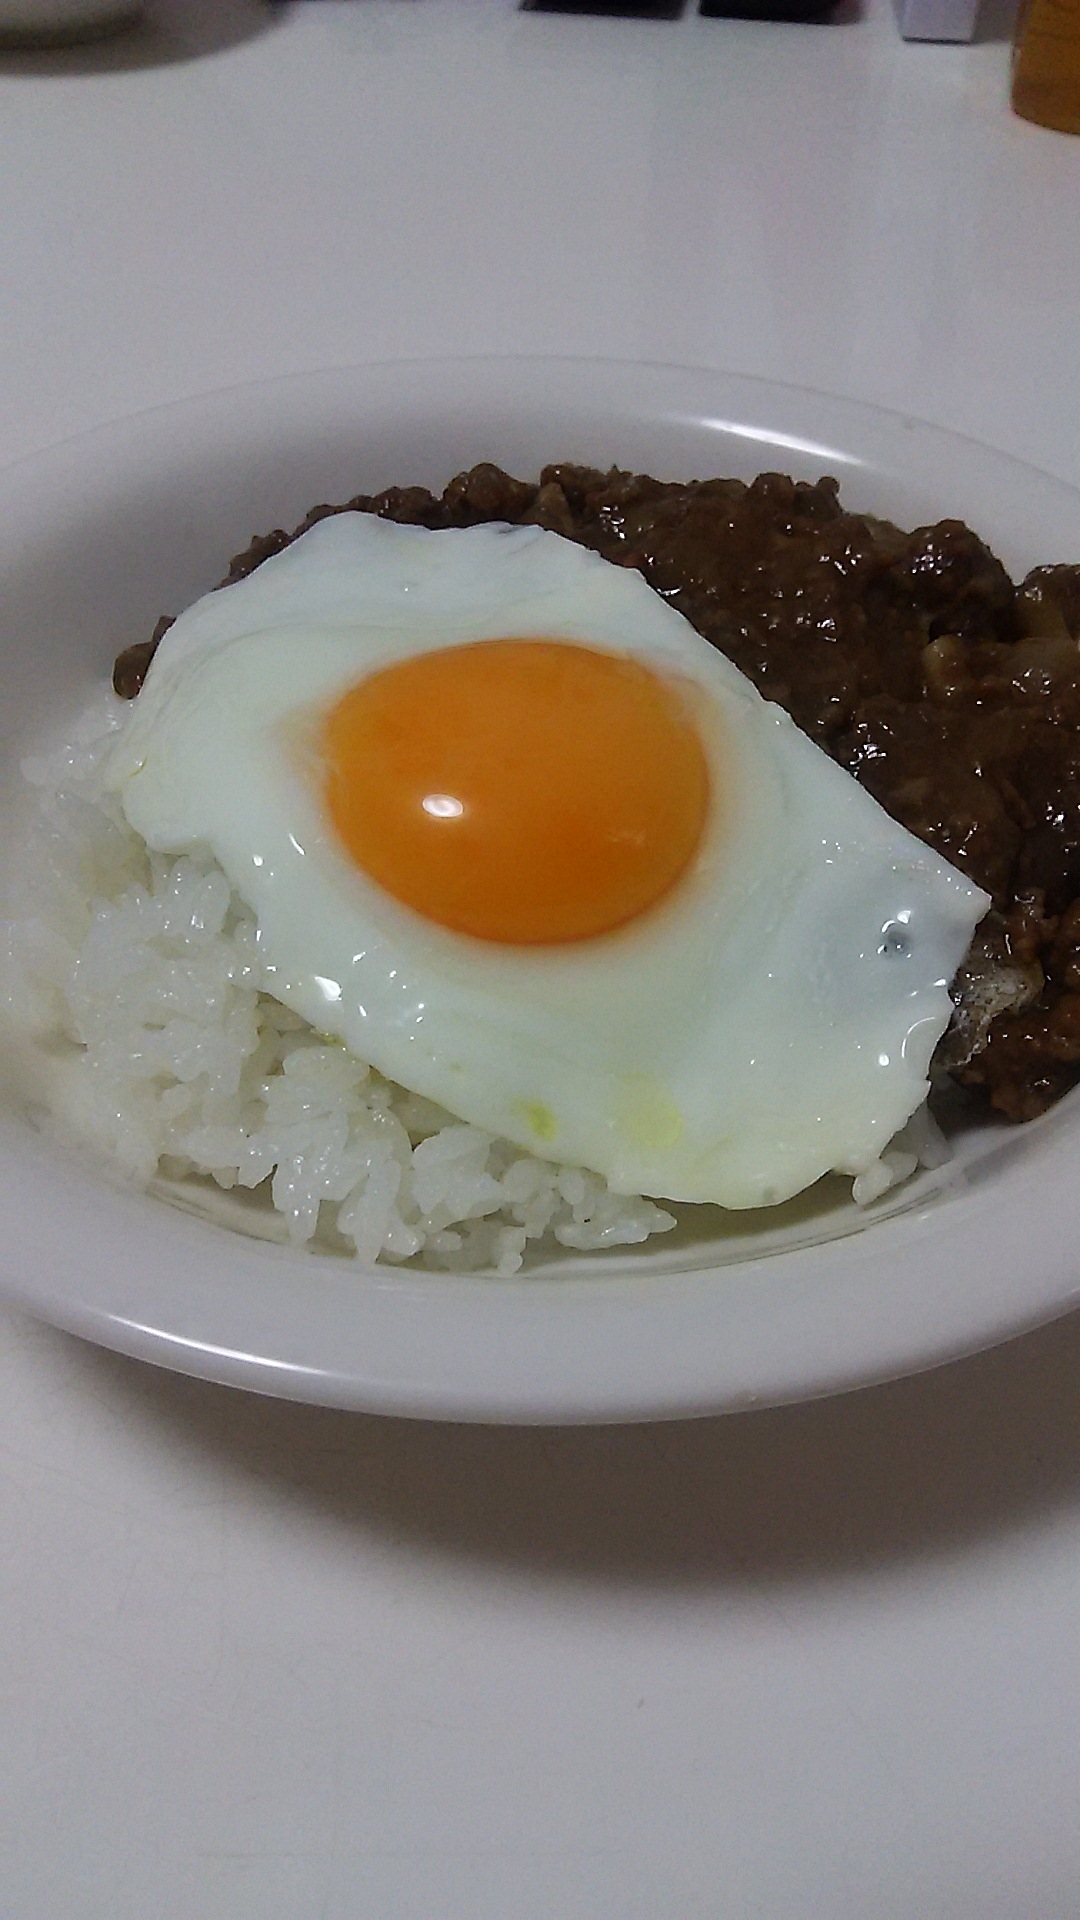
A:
{"points": [[529, 791]]}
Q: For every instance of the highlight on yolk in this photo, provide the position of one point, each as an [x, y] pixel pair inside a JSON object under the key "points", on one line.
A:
{"points": [[529, 791]]}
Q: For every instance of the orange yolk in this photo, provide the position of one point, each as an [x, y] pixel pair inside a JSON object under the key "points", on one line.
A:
{"points": [[525, 791]]}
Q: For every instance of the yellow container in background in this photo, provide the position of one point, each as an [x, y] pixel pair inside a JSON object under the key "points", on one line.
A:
{"points": [[1046, 64]]}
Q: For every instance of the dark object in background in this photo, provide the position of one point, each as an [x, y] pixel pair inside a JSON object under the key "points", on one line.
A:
{"points": [[63, 23], [624, 9], [795, 10], [804, 10]]}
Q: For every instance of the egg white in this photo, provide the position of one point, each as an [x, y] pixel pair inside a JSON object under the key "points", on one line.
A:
{"points": [[772, 1020]]}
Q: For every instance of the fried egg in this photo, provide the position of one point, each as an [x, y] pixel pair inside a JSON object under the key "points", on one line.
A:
{"points": [[515, 834]]}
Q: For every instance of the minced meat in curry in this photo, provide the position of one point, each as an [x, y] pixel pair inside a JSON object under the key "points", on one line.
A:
{"points": [[950, 693]]}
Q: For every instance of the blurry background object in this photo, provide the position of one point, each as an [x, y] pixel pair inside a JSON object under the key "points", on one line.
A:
{"points": [[797, 10], [1046, 64], [937, 19], [37, 23]]}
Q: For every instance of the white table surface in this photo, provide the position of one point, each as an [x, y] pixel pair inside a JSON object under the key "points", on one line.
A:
{"points": [[263, 1661]]}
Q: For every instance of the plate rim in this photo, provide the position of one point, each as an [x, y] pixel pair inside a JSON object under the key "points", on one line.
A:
{"points": [[529, 1398]]}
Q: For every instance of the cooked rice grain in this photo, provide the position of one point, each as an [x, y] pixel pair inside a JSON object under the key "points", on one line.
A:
{"points": [[186, 1066]]}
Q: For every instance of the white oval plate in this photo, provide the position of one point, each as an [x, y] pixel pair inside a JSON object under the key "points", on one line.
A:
{"points": [[101, 535]]}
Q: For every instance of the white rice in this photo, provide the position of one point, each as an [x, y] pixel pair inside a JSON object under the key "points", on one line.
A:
{"points": [[147, 969], [139, 977]]}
